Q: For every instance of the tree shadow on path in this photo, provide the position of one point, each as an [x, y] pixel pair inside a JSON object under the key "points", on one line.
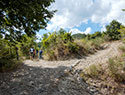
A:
{"points": [[39, 81]]}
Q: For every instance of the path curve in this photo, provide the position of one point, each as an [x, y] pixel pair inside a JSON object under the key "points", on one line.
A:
{"points": [[111, 50]]}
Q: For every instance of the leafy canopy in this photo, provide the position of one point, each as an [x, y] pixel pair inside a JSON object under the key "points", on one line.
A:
{"points": [[24, 16], [113, 30]]}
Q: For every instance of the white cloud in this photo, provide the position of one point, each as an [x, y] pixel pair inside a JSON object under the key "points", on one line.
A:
{"points": [[103, 28], [75, 31], [38, 37], [72, 13], [88, 30]]}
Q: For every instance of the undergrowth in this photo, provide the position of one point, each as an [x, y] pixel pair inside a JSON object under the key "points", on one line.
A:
{"points": [[109, 76], [61, 45], [9, 65]]}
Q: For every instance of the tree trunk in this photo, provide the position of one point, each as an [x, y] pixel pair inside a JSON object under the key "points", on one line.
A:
{"points": [[17, 54]]}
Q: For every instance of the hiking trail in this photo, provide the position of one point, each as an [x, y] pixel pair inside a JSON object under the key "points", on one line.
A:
{"points": [[54, 77]]}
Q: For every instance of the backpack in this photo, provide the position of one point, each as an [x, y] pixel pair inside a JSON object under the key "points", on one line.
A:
{"points": [[41, 51], [31, 49]]}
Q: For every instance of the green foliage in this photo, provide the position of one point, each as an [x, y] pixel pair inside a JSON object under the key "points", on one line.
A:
{"points": [[122, 31], [112, 30], [88, 36], [73, 48], [8, 64], [123, 9], [24, 15], [86, 45], [18, 20], [97, 42], [105, 37], [122, 48], [26, 43], [79, 36], [9, 53], [58, 45], [95, 35], [93, 71], [117, 69], [90, 46]]}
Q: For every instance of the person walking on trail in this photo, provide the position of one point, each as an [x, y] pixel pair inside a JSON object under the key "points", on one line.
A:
{"points": [[34, 53], [40, 53], [37, 54], [31, 53]]}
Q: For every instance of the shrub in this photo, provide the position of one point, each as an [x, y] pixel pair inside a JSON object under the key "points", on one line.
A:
{"points": [[117, 69], [122, 48], [73, 48], [97, 42], [93, 71], [59, 45], [122, 31], [7, 65], [112, 30]]}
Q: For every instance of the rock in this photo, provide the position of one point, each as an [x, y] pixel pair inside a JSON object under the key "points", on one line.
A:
{"points": [[31, 83], [24, 93]]}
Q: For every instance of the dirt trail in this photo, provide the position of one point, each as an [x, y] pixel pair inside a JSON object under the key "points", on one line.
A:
{"points": [[48, 77], [111, 50], [101, 56]]}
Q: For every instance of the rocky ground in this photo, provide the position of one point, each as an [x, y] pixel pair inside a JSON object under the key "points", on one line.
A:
{"points": [[54, 77]]}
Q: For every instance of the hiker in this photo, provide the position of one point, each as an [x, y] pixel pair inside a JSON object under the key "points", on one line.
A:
{"points": [[34, 53], [40, 54], [31, 53], [37, 54]]}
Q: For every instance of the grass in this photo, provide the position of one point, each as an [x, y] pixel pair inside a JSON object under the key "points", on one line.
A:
{"points": [[117, 69], [93, 71], [90, 46], [109, 76], [63, 47], [122, 48]]}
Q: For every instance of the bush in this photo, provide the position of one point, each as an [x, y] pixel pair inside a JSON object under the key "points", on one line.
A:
{"points": [[97, 43], [117, 69], [122, 48], [73, 48], [122, 31], [105, 37], [112, 30], [7, 65], [59, 45], [93, 71]]}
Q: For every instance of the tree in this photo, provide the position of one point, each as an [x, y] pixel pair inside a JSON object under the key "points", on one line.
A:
{"points": [[24, 16], [96, 34], [18, 17], [113, 30], [79, 36], [122, 31]]}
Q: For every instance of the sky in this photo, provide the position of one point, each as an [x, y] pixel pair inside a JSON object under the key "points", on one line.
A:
{"points": [[84, 16]]}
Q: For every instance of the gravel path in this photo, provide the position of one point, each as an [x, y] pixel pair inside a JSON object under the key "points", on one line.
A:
{"points": [[49, 77]]}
